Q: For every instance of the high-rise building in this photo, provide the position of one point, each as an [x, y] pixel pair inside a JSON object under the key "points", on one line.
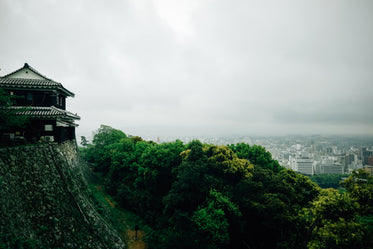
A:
{"points": [[302, 165]]}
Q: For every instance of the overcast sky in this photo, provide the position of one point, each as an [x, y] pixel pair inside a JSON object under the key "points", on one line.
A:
{"points": [[201, 67]]}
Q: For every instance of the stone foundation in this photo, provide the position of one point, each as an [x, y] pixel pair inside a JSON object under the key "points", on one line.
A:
{"points": [[45, 200]]}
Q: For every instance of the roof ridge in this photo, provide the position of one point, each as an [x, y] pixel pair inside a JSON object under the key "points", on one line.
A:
{"points": [[30, 107], [45, 79], [27, 66]]}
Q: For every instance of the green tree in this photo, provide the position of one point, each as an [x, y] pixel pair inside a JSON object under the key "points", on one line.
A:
{"points": [[214, 219], [84, 142], [328, 180], [192, 180], [227, 164], [237, 196], [257, 155], [333, 222], [360, 186], [8, 116], [100, 153], [270, 203], [107, 135]]}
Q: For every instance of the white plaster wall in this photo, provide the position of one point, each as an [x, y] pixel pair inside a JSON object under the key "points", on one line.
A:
{"points": [[26, 73]]}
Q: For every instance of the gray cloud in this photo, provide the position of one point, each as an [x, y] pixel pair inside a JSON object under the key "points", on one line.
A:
{"points": [[157, 68]]}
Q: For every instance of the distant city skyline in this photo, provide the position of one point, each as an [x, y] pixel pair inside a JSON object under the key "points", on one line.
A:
{"points": [[166, 68], [321, 154]]}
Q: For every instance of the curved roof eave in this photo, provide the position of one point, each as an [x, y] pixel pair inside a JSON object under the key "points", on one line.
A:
{"points": [[47, 80], [20, 83]]}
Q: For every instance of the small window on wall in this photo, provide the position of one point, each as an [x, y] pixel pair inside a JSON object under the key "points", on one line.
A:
{"points": [[48, 127]]}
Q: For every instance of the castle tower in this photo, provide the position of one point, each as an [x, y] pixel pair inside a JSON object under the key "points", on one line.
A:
{"points": [[43, 100]]}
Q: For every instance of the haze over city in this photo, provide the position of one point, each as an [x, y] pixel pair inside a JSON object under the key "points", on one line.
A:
{"points": [[201, 67]]}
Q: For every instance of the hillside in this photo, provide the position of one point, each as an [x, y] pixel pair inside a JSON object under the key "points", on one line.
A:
{"points": [[45, 201], [199, 195]]}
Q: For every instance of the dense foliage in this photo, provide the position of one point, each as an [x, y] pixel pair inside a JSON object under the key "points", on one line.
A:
{"points": [[328, 180], [8, 117], [206, 196]]}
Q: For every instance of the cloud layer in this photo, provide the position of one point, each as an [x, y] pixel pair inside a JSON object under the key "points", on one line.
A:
{"points": [[201, 67]]}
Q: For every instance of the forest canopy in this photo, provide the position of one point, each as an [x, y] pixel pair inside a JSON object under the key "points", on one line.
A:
{"points": [[199, 195]]}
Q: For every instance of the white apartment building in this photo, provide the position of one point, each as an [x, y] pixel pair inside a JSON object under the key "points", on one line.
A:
{"points": [[302, 165]]}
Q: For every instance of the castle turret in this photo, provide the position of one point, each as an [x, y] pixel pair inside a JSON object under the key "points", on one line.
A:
{"points": [[43, 100]]}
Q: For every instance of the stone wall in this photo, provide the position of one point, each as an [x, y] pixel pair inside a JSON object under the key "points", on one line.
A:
{"points": [[45, 201]]}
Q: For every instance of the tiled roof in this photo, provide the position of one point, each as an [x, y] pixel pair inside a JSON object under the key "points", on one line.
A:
{"points": [[44, 112], [44, 83], [33, 83], [28, 82]]}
